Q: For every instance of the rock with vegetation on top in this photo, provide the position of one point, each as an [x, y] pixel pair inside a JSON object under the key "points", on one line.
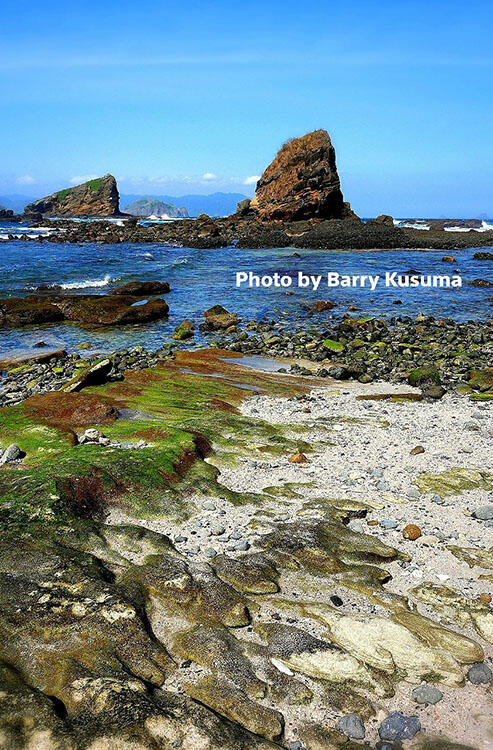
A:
{"points": [[98, 197], [302, 182]]}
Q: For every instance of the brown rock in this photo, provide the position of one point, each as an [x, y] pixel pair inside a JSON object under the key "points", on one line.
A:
{"points": [[97, 197], [322, 305], [484, 597], [302, 182], [218, 318], [449, 259], [416, 451], [299, 458], [411, 531]]}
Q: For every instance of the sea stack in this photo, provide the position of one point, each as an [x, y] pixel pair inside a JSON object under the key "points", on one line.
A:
{"points": [[302, 183], [98, 197]]}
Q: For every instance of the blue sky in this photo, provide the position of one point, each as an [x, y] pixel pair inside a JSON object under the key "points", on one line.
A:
{"points": [[197, 97]]}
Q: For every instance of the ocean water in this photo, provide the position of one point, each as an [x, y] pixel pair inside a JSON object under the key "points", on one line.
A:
{"points": [[202, 278]]}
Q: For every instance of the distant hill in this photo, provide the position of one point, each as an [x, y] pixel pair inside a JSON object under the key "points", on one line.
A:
{"points": [[217, 204], [148, 206], [15, 202]]}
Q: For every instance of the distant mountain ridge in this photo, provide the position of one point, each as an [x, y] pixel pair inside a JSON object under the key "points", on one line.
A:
{"points": [[150, 206], [216, 204]]}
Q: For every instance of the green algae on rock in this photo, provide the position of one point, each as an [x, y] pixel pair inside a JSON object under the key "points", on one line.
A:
{"points": [[454, 481]]}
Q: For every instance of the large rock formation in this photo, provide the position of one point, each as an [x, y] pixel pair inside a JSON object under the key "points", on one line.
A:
{"points": [[97, 197], [302, 182], [156, 207]]}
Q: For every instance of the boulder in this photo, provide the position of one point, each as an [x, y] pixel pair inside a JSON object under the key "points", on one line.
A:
{"points": [[302, 182], [218, 318], [98, 197]]}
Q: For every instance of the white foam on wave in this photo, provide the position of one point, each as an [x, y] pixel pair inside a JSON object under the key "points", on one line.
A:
{"points": [[87, 283]]}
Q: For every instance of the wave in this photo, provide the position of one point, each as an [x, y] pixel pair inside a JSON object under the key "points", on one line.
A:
{"points": [[86, 284]]}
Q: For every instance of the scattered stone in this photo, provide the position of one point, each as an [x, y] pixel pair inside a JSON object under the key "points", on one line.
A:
{"points": [[352, 725], [411, 531], [387, 523], [417, 450], [210, 552], [399, 727], [217, 529], [336, 600], [427, 694], [299, 458], [484, 597], [484, 513], [480, 674]]}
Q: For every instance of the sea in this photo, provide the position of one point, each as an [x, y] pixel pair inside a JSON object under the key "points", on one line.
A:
{"points": [[202, 278]]}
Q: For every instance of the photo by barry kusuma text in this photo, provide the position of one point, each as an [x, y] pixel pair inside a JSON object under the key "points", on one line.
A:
{"points": [[301, 280]]}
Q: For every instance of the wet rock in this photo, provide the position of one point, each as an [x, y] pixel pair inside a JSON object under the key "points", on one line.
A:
{"points": [[425, 374], [352, 726], [323, 305], [433, 391], [184, 330], [449, 259], [481, 283], [427, 695], [217, 318], [142, 288], [399, 727], [483, 255], [480, 674]]}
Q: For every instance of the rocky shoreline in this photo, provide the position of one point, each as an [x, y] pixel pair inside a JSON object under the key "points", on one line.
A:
{"points": [[247, 232], [436, 355]]}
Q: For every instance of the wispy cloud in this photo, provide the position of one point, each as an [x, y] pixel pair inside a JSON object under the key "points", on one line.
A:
{"points": [[209, 176], [25, 179], [252, 180], [78, 179]]}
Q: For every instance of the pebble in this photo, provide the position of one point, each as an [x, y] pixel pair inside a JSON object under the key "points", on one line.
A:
{"points": [[427, 694], [387, 523], [336, 600], [417, 450], [438, 500], [180, 538], [210, 552], [484, 513], [242, 546], [296, 745], [411, 531], [484, 597], [299, 458], [217, 529], [413, 492], [208, 505], [479, 674], [399, 727], [352, 726]]}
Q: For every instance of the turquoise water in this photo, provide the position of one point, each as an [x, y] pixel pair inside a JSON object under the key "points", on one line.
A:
{"points": [[202, 278]]}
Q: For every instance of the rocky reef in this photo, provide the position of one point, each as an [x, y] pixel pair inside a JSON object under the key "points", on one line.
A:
{"points": [[170, 578], [97, 197], [301, 183]]}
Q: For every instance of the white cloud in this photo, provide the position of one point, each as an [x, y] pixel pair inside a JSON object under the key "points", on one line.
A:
{"points": [[209, 176], [252, 180], [26, 179], [78, 179]]}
